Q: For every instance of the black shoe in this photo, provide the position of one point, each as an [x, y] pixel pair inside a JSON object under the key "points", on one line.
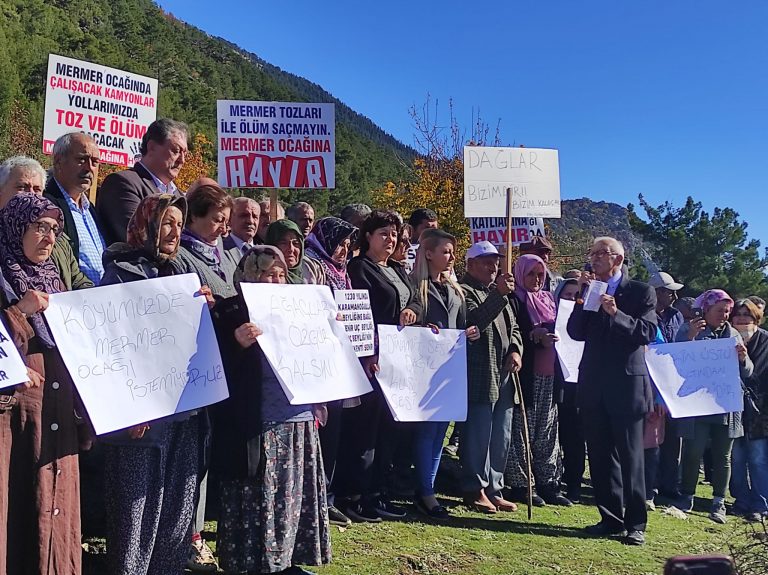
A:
{"points": [[635, 537], [336, 517], [574, 496], [360, 513], [520, 495], [558, 499], [604, 529], [438, 512], [387, 510]]}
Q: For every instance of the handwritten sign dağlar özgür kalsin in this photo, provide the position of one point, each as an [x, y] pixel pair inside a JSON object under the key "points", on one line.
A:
{"points": [[139, 351]]}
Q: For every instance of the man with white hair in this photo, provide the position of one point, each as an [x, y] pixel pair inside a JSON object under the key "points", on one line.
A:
{"points": [[244, 223], [615, 390], [303, 215]]}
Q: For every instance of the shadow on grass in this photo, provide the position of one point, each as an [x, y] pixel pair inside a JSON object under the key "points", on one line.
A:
{"points": [[522, 527]]}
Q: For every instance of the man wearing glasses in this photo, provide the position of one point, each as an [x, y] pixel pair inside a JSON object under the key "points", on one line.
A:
{"points": [[615, 390]]}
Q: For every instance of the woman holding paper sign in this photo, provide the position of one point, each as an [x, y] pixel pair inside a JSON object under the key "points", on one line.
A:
{"points": [[43, 522], [443, 306], [535, 311], [369, 432], [273, 513], [722, 429]]}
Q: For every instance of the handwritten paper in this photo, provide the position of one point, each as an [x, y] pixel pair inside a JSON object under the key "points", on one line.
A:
{"points": [[697, 377], [304, 343], [354, 306], [595, 291], [12, 368], [569, 351], [423, 375], [139, 351]]}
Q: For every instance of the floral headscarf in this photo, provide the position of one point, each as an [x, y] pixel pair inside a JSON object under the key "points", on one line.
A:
{"points": [[541, 304], [255, 262], [326, 236], [144, 227], [712, 297], [23, 210]]}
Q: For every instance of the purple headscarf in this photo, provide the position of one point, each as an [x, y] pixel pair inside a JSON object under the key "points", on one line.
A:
{"points": [[540, 304], [712, 297], [23, 275]]}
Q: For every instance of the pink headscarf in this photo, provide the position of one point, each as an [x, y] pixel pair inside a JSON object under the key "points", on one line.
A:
{"points": [[712, 297], [540, 304]]}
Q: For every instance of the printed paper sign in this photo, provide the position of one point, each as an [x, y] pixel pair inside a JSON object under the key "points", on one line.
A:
{"points": [[306, 346], [533, 175], [354, 306], [113, 106], [139, 351], [423, 375], [494, 230], [569, 351], [697, 377], [12, 368], [276, 144]]}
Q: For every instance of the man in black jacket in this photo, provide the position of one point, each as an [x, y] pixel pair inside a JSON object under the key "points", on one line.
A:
{"points": [[615, 390]]}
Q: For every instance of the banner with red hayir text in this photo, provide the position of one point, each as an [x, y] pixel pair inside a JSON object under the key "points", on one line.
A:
{"points": [[113, 106], [494, 230], [276, 144]]}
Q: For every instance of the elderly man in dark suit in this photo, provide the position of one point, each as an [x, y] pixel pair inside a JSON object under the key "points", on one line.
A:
{"points": [[163, 152], [615, 390]]}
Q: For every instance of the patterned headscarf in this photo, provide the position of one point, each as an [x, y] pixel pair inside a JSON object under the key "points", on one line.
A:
{"points": [[326, 236], [23, 210], [541, 304], [275, 233], [144, 227], [255, 262], [712, 297]]}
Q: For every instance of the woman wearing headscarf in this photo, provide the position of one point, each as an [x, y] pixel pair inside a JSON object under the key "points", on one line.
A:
{"points": [[286, 236], [273, 512], [536, 312], [151, 469], [718, 430], [328, 244], [749, 477], [43, 519]]}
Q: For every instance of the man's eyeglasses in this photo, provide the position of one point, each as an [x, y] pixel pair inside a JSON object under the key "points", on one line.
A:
{"points": [[44, 228], [600, 254]]}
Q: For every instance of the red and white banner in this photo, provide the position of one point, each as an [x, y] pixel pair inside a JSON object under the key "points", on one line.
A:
{"points": [[113, 106], [276, 144], [494, 230]]}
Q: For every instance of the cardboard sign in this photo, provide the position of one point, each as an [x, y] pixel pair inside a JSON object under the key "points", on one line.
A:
{"points": [[354, 306], [533, 175], [113, 106], [423, 374], [276, 144], [139, 351], [306, 346], [697, 377], [12, 368], [494, 230], [569, 351]]}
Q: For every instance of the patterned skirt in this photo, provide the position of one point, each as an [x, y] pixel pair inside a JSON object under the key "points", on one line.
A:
{"points": [[280, 518]]}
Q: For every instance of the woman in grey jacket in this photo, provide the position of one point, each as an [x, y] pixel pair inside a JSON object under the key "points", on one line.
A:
{"points": [[721, 429]]}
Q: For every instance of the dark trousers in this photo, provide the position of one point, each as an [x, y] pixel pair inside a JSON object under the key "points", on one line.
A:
{"points": [[571, 440], [615, 444], [330, 433], [668, 478]]}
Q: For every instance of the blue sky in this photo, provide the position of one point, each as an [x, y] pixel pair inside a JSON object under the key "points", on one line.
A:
{"points": [[664, 98]]}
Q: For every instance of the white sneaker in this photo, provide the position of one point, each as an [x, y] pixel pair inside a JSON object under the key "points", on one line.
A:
{"points": [[201, 558]]}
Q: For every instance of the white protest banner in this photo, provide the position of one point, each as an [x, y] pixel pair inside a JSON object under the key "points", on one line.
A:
{"points": [[423, 375], [533, 174], [139, 351], [569, 351], [494, 230], [12, 368], [697, 377], [113, 106], [354, 305], [276, 144], [304, 343]]}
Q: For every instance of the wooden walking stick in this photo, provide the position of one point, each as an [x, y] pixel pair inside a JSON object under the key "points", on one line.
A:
{"points": [[514, 375]]}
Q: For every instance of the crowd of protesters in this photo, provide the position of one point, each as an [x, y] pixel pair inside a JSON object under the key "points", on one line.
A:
{"points": [[282, 473]]}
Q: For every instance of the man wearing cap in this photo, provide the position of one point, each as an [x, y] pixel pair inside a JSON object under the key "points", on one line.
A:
{"points": [[486, 435], [669, 321], [542, 247]]}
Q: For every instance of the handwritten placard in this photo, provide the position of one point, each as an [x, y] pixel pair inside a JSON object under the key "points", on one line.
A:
{"points": [[423, 375], [697, 377], [569, 351], [354, 306], [139, 351], [12, 368], [304, 343], [532, 175]]}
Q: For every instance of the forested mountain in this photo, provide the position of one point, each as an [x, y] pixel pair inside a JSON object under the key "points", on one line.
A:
{"points": [[193, 68]]}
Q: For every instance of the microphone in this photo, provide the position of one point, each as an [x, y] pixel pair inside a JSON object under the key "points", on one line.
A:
{"points": [[585, 287]]}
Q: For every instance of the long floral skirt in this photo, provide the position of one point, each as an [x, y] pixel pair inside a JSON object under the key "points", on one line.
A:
{"points": [[279, 518]]}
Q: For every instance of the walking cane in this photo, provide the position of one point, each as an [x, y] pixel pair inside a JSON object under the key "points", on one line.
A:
{"points": [[526, 441]]}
